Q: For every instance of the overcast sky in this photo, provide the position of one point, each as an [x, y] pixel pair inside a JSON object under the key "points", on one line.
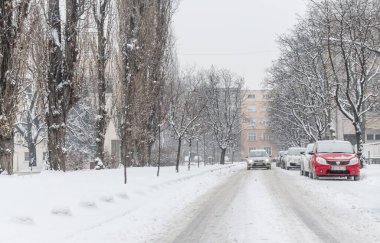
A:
{"points": [[236, 34]]}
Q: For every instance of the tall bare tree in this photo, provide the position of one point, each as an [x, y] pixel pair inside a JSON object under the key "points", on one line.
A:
{"points": [[104, 21], [13, 15], [62, 82]]}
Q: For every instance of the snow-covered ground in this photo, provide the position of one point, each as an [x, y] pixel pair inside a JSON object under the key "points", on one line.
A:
{"points": [[281, 206], [207, 204], [95, 206]]}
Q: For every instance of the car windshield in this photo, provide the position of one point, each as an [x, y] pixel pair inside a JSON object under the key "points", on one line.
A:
{"points": [[296, 151], [310, 148], [258, 154], [335, 147]]}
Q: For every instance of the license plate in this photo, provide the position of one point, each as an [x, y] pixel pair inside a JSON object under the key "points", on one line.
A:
{"points": [[338, 168]]}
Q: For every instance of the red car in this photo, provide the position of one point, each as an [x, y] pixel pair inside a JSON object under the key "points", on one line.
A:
{"points": [[334, 158]]}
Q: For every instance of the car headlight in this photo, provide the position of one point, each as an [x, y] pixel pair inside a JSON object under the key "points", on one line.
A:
{"points": [[267, 160], [321, 160], [250, 161], [354, 161]]}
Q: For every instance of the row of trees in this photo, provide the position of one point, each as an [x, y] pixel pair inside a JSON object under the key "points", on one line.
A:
{"points": [[59, 59], [329, 61]]}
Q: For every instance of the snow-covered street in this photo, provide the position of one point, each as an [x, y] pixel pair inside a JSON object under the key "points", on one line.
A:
{"points": [[209, 204], [281, 206]]}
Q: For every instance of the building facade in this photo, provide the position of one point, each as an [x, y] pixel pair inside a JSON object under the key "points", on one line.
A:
{"points": [[255, 123]]}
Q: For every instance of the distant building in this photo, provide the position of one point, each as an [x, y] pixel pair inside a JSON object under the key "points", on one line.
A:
{"points": [[256, 133], [371, 132]]}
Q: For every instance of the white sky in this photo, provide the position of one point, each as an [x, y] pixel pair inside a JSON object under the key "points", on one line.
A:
{"points": [[236, 34]]}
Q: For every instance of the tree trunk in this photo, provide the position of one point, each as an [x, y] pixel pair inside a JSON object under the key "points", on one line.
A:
{"points": [[204, 149], [159, 151], [101, 121], [149, 153], [178, 155], [188, 165], [222, 156], [32, 155], [198, 153], [56, 140], [123, 156], [6, 152], [359, 143]]}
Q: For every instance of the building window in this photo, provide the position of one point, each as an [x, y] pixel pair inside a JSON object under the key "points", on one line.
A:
{"points": [[251, 136], [265, 123], [269, 150], [115, 149], [377, 137], [266, 136], [251, 96], [264, 108], [370, 137], [251, 108], [266, 96], [250, 149], [251, 122], [26, 156]]}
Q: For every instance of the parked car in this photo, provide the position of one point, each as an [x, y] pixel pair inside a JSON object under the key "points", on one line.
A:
{"points": [[334, 158], [280, 158], [305, 166], [293, 158], [258, 159]]}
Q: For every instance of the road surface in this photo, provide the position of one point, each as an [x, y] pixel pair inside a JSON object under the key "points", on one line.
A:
{"points": [[271, 206]]}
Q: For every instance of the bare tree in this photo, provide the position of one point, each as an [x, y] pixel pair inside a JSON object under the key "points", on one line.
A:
{"points": [[349, 27], [185, 108], [104, 22], [13, 15], [62, 83], [223, 95]]}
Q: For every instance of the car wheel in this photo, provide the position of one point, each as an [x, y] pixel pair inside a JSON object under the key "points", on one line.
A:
{"points": [[357, 178], [301, 172], [306, 173], [287, 168], [311, 175]]}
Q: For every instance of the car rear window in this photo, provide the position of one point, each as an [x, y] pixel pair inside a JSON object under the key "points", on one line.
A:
{"points": [[335, 147], [296, 151], [258, 154]]}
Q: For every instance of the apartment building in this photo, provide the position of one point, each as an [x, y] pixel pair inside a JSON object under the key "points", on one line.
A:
{"points": [[255, 123], [371, 132]]}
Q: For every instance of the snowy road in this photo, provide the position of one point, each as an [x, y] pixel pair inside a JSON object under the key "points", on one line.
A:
{"points": [[280, 206]]}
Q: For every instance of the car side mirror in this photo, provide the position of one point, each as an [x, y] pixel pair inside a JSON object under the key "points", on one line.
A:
{"points": [[311, 153], [302, 152]]}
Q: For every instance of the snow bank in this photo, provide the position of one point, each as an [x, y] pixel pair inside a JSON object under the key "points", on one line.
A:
{"points": [[95, 206]]}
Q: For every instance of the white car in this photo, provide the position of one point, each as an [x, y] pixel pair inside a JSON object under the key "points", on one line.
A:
{"points": [[305, 166], [258, 159], [294, 157]]}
